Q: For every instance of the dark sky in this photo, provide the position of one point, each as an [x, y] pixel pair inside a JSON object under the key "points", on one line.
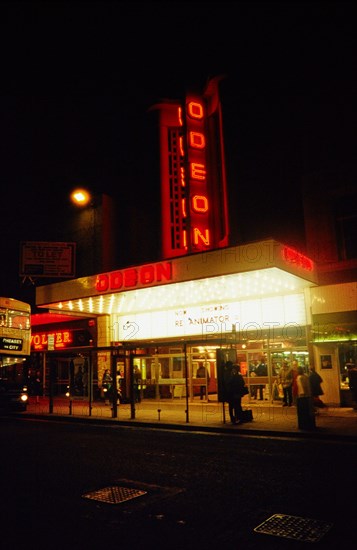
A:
{"points": [[77, 80]]}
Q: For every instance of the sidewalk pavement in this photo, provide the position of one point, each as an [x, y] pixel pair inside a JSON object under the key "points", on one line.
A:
{"points": [[269, 419]]}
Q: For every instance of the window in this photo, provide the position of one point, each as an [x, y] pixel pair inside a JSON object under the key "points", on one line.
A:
{"points": [[346, 226]]}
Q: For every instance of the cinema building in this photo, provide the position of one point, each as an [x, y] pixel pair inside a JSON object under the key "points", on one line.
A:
{"points": [[154, 325], [169, 318]]}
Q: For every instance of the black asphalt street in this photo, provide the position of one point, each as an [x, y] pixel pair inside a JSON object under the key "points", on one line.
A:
{"points": [[81, 485]]}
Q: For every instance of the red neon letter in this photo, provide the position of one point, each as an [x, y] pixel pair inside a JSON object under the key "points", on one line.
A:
{"points": [[182, 151], [195, 110], [197, 140], [198, 171], [102, 283], [130, 277], [116, 280], [183, 182], [183, 208], [199, 203], [184, 238], [147, 274], [164, 272], [198, 235]]}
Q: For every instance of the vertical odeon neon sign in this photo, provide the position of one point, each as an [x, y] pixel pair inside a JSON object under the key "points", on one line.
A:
{"points": [[193, 182], [199, 203]]}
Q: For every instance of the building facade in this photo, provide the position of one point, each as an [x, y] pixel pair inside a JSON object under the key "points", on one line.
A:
{"points": [[330, 216], [250, 304]]}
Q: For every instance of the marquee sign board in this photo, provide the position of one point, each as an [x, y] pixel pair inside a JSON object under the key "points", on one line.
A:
{"points": [[47, 259]]}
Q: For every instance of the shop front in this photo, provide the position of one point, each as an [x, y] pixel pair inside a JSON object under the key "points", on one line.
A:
{"points": [[334, 339], [163, 330], [59, 352]]}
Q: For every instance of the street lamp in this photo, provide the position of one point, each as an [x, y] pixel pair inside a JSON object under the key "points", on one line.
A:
{"points": [[81, 197], [94, 228]]}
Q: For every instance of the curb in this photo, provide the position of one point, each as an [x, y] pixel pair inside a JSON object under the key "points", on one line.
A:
{"points": [[319, 433]]}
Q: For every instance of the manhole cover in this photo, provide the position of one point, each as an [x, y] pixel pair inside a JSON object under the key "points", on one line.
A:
{"points": [[294, 527], [114, 494]]}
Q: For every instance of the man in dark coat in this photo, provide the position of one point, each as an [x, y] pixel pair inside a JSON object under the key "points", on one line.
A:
{"points": [[261, 370], [234, 384], [316, 389]]}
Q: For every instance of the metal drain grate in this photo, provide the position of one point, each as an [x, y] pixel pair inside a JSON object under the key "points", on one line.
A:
{"points": [[114, 494], [294, 527]]}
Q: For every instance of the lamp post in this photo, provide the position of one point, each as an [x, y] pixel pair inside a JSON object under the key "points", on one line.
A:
{"points": [[94, 232]]}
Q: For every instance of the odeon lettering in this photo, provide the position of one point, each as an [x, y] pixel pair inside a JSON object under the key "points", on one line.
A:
{"points": [[133, 277], [199, 204]]}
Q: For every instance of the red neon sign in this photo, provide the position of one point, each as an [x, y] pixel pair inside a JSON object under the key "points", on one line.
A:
{"points": [[199, 195], [61, 339], [195, 110], [192, 170], [196, 139], [294, 257], [128, 278], [200, 203]]}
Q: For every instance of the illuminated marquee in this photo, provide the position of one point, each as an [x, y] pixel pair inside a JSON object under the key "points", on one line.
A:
{"points": [[193, 181]]}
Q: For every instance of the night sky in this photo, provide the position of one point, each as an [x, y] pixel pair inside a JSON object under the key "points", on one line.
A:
{"points": [[77, 80]]}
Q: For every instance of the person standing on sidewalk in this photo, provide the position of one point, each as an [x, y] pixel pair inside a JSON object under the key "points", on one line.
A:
{"points": [[234, 392], [304, 402], [352, 382], [202, 372], [137, 384], [316, 389], [294, 371], [261, 370], [285, 378], [107, 386], [37, 386]]}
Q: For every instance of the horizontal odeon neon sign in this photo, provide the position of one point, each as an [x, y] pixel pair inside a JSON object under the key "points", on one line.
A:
{"points": [[134, 277]]}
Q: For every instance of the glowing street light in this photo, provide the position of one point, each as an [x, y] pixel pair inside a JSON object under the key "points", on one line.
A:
{"points": [[93, 231], [81, 197]]}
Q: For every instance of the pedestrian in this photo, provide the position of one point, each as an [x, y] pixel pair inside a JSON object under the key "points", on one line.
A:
{"points": [[37, 386], [203, 373], [294, 370], [120, 380], [107, 386], [252, 374], [85, 381], [261, 370], [78, 381], [304, 402], [285, 378], [316, 389], [235, 385], [137, 384], [352, 382]]}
